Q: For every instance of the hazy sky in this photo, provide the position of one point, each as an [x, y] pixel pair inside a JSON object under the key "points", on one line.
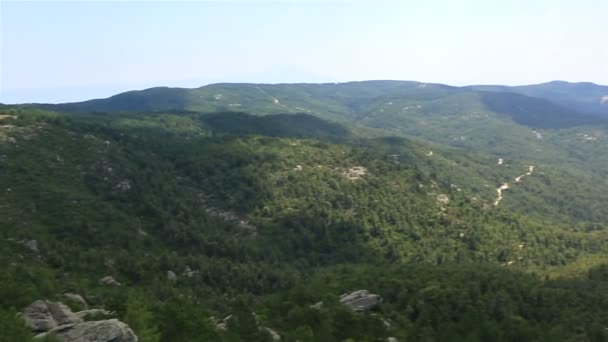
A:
{"points": [[75, 50]]}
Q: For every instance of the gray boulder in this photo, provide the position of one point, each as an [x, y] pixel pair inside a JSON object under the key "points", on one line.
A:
{"points": [[47, 315], [31, 245], [109, 280], [53, 318], [273, 334], [317, 305], [77, 298], [62, 313], [93, 312], [189, 272], [111, 330], [38, 317], [360, 300], [171, 276]]}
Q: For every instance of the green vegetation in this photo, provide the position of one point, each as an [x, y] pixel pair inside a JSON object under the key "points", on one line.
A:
{"points": [[262, 217]]}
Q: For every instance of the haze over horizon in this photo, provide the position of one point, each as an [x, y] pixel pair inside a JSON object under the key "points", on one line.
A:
{"points": [[72, 51]]}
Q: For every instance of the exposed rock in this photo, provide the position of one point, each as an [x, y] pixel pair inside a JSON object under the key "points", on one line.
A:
{"points": [[77, 298], [355, 173], [538, 135], [229, 216], [171, 276], [443, 199], [38, 317], [111, 330], [6, 116], [392, 339], [360, 300], [31, 245], [220, 324], [317, 305], [109, 280], [62, 313], [275, 336], [124, 185], [394, 158], [93, 312], [188, 272], [46, 317], [298, 168]]}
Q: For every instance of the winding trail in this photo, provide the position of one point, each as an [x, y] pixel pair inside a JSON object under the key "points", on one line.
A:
{"points": [[530, 171], [506, 186], [499, 191]]}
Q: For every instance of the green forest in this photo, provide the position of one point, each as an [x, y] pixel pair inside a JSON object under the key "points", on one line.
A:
{"points": [[228, 226]]}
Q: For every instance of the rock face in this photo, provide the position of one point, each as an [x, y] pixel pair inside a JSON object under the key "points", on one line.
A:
{"points": [[92, 312], [111, 330], [189, 272], [355, 173], [38, 317], [360, 300], [273, 334], [31, 245], [317, 305], [109, 280], [171, 276], [77, 298], [46, 317]]}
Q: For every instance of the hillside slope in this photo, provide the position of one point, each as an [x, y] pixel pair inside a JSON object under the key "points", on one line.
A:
{"points": [[586, 97], [257, 217]]}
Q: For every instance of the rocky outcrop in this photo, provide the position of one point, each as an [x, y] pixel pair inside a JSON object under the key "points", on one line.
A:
{"points": [[109, 280], [228, 216], [31, 245], [222, 325], [111, 330], [360, 300], [317, 305], [189, 273], [46, 315], [273, 334], [55, 318], [93, 312], [355, 173], [124, 185], [77, 298], [171, 276], [38, 317]]}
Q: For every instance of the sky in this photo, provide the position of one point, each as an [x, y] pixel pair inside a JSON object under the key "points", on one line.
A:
{"points": [[76, 50]]}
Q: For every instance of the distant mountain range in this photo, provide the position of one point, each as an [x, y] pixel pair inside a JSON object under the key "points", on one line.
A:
{"points": [[571, 103], [584, 96]]}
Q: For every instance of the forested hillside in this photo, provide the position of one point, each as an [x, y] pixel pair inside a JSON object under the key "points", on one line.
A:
{"points": [[270, 219], [582, 96]]}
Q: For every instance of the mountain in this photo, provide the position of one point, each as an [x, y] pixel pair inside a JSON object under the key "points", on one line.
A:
{"points": [[220, 212], [585, 97], [500, 123], [337, 101]]}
